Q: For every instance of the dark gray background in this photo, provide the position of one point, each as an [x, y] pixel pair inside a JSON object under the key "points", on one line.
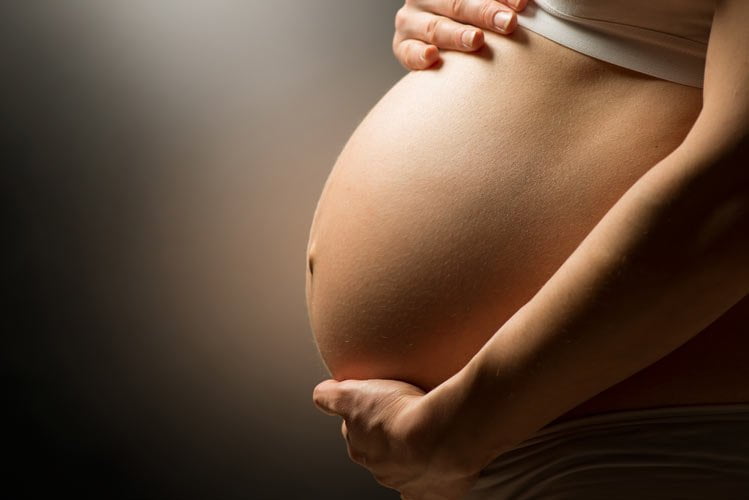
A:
{"points": [[161, 164]]}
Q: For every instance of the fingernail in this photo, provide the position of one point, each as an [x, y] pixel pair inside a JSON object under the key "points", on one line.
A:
{"points": [[423, 56], [502, 19], [468, 37], [515, 3]]}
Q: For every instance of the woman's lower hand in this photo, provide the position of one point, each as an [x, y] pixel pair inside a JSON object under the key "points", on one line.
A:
{"points": [[392, 433], [422, 27]]}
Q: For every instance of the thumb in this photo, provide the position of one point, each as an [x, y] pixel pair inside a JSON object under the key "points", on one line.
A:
{"points": [[330, 397]]}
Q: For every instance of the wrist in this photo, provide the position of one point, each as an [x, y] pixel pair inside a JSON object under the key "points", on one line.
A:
{"points": [[472, 429]]}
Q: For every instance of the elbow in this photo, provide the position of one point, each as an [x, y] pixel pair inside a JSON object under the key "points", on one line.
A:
{"points": [[723, 235], [723, 228], [713, 206]]}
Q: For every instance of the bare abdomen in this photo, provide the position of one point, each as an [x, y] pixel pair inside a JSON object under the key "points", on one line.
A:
{"points": [[463, 191]]}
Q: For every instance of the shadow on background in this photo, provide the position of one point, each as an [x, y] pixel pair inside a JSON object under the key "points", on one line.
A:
{"points": [[161, 165]]}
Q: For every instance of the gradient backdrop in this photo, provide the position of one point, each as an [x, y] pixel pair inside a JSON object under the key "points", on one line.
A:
{"points": [[161, 164]]}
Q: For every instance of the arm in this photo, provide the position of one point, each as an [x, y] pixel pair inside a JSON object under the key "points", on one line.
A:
{"points": [[670, 257]]}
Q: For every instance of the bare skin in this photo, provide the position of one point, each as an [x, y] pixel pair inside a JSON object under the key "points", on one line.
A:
{"points": [[453, 203], [706, 369], [463, 144]]}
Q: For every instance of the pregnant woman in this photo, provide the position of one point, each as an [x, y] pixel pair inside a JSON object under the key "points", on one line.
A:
{"points": [[528, 269]]}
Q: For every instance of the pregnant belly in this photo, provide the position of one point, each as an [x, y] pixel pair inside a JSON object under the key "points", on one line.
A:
{"points": [[464, 189]]}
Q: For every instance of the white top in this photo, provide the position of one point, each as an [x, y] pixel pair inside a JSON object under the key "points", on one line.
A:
{"points": [[663, 38]]}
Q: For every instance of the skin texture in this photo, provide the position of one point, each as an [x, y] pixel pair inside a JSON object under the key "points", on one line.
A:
{"points": [[621, 301], [453, 203]]}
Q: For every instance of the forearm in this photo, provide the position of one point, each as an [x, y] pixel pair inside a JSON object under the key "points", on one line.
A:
{"points": [[669, 258]]}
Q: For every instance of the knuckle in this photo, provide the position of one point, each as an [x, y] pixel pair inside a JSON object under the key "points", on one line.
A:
{"points": [[401, 18], [403, 57], [431, 29], [347, 389], [457, 38], [413, 58], [353, 417], [372, 426], [457, 7], [486, 12]]}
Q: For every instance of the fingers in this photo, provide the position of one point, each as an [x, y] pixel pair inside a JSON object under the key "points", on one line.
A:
{"points": [[422, 27], [490, 14], [414, 54], [355, 454], [442, 32], [339, 398], [330, 398]]}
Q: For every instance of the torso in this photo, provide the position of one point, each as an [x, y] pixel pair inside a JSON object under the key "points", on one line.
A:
{"points": [[462, 192]]}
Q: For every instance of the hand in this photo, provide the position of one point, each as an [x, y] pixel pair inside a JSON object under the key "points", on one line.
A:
{"points": [[422, 27], [390, 431]]}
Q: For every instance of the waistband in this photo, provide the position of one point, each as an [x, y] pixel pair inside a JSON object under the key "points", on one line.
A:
{"points": [[648, 51]]}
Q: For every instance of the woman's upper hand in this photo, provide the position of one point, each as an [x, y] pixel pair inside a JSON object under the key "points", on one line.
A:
{"points": [[422, 27], [391, 431]]}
